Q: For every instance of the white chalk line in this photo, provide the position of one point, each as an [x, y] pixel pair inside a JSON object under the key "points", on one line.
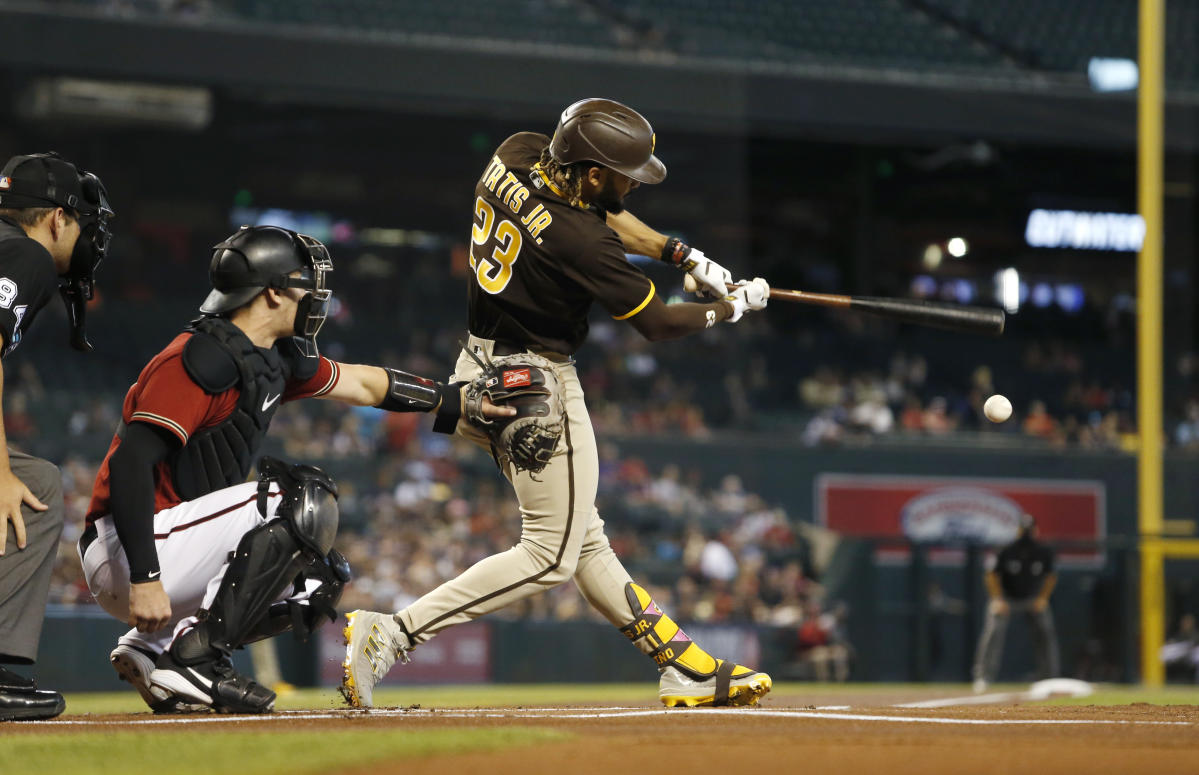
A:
{"points": [[603, 713], [975, 699]]}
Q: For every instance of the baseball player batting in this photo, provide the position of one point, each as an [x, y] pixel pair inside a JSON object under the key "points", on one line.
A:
{"points": [[549, 239]]}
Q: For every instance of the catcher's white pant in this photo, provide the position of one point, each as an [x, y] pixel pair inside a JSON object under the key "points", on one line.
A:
{"points": [[193, 541], [562, 535]]}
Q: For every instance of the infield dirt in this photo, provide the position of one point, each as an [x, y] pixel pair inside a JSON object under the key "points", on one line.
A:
{"points": [[780, 736]]}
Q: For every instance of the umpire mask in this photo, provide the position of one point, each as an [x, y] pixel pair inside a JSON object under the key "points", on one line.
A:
{"points": [[42, 179]]}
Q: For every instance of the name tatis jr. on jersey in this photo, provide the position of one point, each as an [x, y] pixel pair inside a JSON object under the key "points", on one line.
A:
{"points": [[509, 190]]}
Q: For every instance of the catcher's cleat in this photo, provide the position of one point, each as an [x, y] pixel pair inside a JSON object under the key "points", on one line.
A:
{"points": [[732, 685], [134, 666], [209, 680], [373, 644], [690, 675]]}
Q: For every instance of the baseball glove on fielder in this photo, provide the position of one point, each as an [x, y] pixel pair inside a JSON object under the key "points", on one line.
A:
{"points": [[528, 383]]}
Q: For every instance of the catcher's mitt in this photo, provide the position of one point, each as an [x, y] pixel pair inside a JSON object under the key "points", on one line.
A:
{"points": [[528, 383]]}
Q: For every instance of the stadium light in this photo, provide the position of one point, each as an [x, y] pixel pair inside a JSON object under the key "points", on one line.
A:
{"points": [[957, 247], [1007, 289], [933, 256]]}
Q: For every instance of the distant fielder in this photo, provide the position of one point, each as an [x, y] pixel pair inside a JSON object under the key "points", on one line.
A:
{"points": [[549, 239]]}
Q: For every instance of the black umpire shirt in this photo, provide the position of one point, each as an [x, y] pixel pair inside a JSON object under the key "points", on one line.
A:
{"points": [[27, 281], [1022, 567], [537, 262]]}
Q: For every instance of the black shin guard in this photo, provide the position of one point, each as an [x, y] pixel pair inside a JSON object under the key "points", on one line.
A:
{"points": [[267, 560], [304, 617]]}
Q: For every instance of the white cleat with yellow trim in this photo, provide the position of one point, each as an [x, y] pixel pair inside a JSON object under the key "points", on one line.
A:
{"points": [[743, 686], [374, 642], [691, 677]]}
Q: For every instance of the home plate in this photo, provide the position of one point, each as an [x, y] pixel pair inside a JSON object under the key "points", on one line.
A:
{"points": [[1059, 687], [1041, 690]]}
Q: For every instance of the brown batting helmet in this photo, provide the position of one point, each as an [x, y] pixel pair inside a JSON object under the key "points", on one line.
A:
{"points": [[610, 134]]}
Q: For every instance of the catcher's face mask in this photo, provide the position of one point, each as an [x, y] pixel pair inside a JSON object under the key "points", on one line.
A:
{"points": [[313, 309]]}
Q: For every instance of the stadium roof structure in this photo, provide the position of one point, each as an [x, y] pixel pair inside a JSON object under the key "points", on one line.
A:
{"points": [[1012, 69]]}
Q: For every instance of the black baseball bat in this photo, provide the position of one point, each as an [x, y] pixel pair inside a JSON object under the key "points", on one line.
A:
{"points": [[953, 317]]}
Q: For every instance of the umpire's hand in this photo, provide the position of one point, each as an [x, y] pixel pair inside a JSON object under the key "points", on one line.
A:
{"points": [[149, 606], [13, 493]]}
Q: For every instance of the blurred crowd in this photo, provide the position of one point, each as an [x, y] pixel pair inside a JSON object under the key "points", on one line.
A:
{"points": [[419, 508], [1083, 413]]}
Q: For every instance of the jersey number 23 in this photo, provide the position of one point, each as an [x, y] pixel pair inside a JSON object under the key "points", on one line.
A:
{"points": [[494, 270]]}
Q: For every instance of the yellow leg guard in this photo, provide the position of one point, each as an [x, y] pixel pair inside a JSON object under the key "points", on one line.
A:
{"points": [[690, 676], [659, 637]]}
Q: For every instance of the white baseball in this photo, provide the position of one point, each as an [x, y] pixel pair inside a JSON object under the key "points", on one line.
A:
{"points": [[997, 408], [689, 284]]}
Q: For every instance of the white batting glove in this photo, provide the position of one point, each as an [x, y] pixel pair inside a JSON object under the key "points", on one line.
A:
{"points": [[751, 296], [711, 279]]}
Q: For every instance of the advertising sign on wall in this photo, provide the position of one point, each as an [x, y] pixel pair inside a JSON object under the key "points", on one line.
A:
{"points": [[962, 510]]}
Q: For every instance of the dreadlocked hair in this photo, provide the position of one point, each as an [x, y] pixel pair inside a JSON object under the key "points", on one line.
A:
{"points": [[568, 178]]}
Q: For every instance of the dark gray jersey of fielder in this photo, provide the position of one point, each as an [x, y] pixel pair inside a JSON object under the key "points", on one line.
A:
{"points": [[538, 262], [27, 281]]}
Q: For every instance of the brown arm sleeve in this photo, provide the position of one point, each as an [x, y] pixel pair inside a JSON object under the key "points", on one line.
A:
{"points": [[659, 320]]}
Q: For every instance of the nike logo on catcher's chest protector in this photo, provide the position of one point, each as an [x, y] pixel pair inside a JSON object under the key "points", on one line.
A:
{"points": [[269, 400]]}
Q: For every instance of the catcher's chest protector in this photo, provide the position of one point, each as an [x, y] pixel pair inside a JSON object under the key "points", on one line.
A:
{"points": [[220, 357]]}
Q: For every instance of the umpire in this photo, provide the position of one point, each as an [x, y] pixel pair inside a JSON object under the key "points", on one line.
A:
{"points": [[53, 233], [1022, 580]]}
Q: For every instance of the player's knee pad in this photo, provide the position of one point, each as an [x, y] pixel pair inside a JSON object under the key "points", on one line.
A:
{"points": [[309, 501], [267, 559], [657, 635]]}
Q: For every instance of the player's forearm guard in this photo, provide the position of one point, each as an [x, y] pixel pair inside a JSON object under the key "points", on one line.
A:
{"points": [[676, 252], [410, 393]]}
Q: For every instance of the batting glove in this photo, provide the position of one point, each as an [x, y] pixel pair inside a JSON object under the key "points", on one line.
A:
{"points": [[711, 279], [751, 296], [704, 277]]}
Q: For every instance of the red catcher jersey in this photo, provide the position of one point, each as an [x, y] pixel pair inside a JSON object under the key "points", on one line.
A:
{"points": [[165, 395]]}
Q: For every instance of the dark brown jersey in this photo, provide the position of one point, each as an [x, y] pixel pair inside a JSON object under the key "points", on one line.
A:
{"points": [[537, 262]]}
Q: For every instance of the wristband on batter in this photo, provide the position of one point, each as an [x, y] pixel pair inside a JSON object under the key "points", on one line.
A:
{"points": [[676, 252]]}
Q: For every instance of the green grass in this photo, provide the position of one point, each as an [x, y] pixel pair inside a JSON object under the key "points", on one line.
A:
{"points": [[252, 752], [1106, 694]]}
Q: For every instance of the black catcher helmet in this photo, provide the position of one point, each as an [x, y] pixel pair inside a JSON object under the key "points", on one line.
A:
{"points": [[48, 180], [610, 134], [260, 257]]}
